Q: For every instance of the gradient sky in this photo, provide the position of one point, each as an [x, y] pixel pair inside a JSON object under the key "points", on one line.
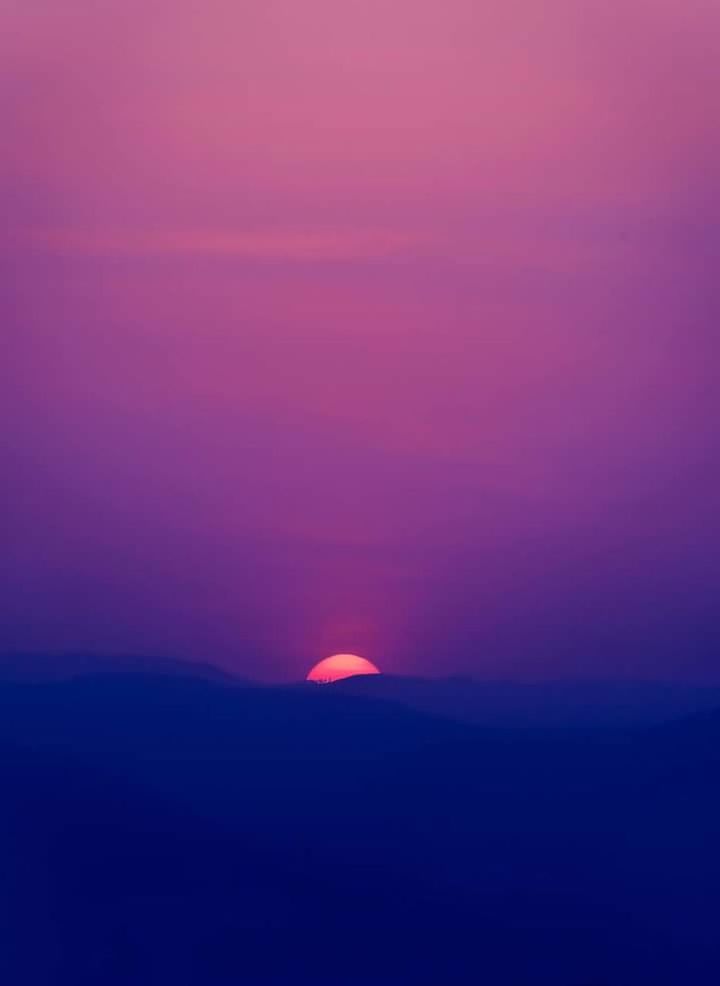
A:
{"points": [[386, 326]]}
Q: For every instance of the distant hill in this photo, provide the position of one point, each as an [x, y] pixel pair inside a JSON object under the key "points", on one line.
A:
{"points": [[49, 667], [165, 715], [495, 704], [538, 704], [566, 703]]}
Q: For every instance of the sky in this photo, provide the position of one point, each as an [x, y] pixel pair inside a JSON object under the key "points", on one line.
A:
{"points": [[382, 326]]}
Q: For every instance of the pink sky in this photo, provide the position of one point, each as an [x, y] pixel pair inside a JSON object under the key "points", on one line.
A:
{"points": [[376, 326]]}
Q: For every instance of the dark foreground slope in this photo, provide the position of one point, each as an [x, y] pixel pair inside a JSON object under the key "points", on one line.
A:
{"points": [[177, 831]]}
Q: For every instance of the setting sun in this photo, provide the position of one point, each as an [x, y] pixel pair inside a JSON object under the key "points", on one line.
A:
{"points": [[340, 666]]}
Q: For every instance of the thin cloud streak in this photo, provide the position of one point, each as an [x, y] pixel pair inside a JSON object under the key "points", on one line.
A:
{"points": [[299, 245]]}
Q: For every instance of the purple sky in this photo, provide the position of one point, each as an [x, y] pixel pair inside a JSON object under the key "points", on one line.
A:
{"points": [[385, 326]]}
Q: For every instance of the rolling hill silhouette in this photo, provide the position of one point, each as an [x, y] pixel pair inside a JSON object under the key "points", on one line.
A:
{"points": [[58, 667], [542, 703], [171, 828]]}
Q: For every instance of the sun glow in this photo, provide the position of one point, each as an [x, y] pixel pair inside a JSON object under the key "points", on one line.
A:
{"points": [[340, 666]]}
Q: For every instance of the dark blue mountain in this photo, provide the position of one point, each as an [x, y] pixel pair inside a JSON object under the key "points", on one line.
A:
{"points": [[570, 703], [168, 829]]}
